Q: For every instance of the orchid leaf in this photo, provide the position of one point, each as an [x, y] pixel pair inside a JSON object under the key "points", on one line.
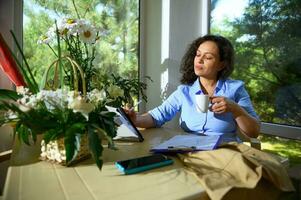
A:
{"points": [[70, 147], [24, 133], [72, 141], [95, 146], [52, 134], [9, 95]]}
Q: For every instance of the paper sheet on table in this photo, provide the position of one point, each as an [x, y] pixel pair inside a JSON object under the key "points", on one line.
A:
{"points": [[186, 143]]}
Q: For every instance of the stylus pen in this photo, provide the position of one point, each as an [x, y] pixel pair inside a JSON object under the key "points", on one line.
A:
{"points": [[137, 104]]}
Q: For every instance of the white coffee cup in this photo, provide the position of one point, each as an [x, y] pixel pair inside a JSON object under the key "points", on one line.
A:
{"points": [[202, 102]]}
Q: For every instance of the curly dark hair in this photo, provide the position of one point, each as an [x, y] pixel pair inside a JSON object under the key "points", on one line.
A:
{"points": [[226, 54]]}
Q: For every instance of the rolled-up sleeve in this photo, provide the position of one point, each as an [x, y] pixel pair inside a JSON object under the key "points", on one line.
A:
{"points": [[168, 109]]}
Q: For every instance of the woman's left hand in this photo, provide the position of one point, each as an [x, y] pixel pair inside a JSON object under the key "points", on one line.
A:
{"points": [[246, 123], [222, 104]]}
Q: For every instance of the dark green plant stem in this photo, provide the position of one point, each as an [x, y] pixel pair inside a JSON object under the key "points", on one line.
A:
{"points": [[52, 50], [76, 11], [59, 55], [34, 83]]}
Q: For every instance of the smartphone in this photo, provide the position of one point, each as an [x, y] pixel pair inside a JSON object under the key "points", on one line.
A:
{"points": [[140, 164]]}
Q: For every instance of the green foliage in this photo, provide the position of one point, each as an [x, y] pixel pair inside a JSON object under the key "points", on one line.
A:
{"points": [[39, 56], [267, 41], [116, 51], [130, 88], [283, 147], [8, 95], [95, 146]]}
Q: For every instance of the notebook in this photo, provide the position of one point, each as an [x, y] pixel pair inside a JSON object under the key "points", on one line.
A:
{"points": [[187, 143]]}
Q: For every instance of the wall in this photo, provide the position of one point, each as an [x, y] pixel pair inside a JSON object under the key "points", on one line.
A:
{"points": [[167, 27], [10, 19]]}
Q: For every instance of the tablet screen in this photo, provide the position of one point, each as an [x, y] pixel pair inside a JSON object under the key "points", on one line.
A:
{"points": [[128, 122]]}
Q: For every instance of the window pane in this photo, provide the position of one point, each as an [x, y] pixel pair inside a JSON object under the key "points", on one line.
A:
{"points": [[267, 38], [116, 48]]}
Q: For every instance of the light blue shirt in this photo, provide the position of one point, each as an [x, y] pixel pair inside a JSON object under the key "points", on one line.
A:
{"points": [[183, 99]]}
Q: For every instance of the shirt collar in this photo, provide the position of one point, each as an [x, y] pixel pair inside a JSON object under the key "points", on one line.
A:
{"points": [[219, 85], [196, 89]]}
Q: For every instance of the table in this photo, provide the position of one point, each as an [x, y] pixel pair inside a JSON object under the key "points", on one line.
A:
{"points": [[31, 179]]}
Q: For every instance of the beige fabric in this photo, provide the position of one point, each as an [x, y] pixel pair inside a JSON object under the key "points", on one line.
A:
{"points": [[235, 166]]}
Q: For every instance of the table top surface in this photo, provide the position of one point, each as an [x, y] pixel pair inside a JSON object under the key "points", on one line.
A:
{"points": [[31, 179]]}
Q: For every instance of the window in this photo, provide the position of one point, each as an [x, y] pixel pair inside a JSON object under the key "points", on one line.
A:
{"points": [[117, 48], [266, 35]]}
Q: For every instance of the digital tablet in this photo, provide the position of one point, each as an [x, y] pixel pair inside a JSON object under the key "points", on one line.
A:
{"points": [[140, 164], [129, 124]]}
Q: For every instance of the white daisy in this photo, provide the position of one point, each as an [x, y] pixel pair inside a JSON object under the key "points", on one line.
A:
{"points": [[88, 34], [70, 25], [44, 39]]}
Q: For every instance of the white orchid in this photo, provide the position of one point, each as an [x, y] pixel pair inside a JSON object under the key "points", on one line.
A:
{"points": [[96, 96], [80, 105], [62, 99], [115, 91]]}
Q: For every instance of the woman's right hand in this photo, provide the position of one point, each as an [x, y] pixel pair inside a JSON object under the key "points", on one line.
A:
{"points": [[143, 121], [132, 114]]}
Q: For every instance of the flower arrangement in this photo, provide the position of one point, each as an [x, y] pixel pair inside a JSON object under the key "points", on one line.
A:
{"points": [[62, 114], [67, 106]]}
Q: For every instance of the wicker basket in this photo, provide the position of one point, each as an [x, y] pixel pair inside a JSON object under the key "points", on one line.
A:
{"points": [[55, 151]]}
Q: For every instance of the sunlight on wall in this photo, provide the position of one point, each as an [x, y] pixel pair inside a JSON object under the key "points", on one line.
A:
{"points": [[165, 47], [164, 84], [165, 30]]}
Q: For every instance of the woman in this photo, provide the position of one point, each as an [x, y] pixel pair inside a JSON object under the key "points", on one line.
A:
{"points": [[205, 69]]}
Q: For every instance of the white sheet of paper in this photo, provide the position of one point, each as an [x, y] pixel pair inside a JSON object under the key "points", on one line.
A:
{"points": [[195, 142]]}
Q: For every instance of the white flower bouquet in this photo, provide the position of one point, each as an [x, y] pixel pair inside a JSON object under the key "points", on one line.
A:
{"points": [[61, 114]]}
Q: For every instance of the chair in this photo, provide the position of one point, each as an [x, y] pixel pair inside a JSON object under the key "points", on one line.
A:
{"points": [[254, 142], [4, 158], [293, 172], [5, 155]]}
